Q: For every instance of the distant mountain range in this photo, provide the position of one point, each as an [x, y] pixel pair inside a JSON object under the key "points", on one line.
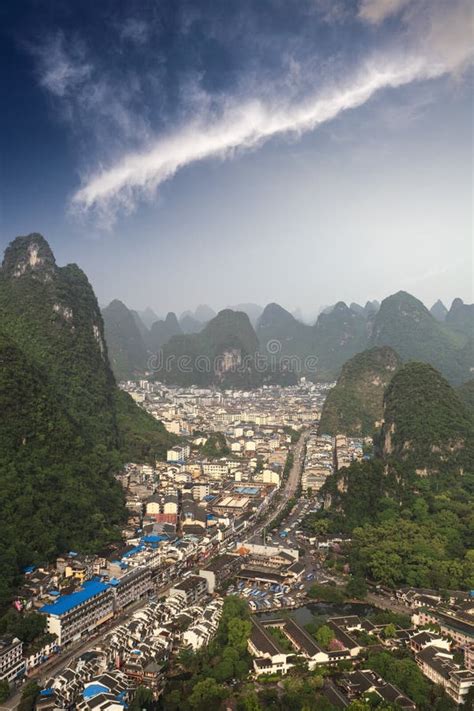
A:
{"points": [[440, 337], [406, 325]]}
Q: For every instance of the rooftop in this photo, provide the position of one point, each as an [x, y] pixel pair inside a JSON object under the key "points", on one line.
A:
{"points": [[65, 603]]}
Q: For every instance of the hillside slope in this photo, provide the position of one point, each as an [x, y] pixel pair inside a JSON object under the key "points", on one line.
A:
{"points": [[64, 437], [406, 325], [125, 345], [355, 405]]}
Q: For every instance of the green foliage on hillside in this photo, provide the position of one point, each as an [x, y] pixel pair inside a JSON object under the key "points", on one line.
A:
{"points": [[125, 345], [338, 335], [162, 331], [355, 404], [224, 353], [61, 436], [410, 510], [460, 317], [425, 422], [278, 325], [52, 315], [466, 393], [406, 325], [141, 437]]}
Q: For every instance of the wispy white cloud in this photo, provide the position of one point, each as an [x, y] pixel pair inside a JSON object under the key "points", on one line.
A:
{"points": [[135, 30], [61, 72], [434, 39], [376, 11]]}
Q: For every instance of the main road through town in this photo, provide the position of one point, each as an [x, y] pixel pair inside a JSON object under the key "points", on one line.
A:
{"points": [[291, 484]]}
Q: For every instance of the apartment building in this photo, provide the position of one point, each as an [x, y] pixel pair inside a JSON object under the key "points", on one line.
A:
{"points": [[132, 586], [191, 589], [437, 665], [12, 664], [73, 615]]}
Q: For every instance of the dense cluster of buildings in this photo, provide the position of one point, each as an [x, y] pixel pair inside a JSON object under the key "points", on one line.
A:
{"points": [[185, 411], [135, 652], [434, 652], [324, 455], [192, 513]]}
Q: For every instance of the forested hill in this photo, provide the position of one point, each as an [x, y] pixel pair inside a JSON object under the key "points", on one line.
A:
{"points": [[406, 325], [338, 335], [125, 341], [67, 429], [425, 422], [355, 405], [466, 393], [410, 508], [224, 353]]}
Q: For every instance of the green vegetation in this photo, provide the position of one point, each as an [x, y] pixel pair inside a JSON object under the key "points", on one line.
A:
{"points": [[460, 317], [142, 699], [141, 437], [466, 393], [356, 587], [425, 422], [29, 627], [207, 671], [324, 636], [338, 336], [276, 522], [281, 639], [410, 509], [62, 441], [4, 690], [355, 404], [224, 353], [276, 325], [28, 696], [162, 331], [125, 345], [326, 593], [406, 325], [215, 446], [404, 673]]}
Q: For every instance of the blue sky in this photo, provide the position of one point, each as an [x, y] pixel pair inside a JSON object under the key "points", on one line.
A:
{"points": [[299, 151]]}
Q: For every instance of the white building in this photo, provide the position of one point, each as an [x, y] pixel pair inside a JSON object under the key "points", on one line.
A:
{"points": [[12, 664]]}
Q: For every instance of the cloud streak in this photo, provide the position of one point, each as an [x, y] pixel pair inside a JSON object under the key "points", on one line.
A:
{"points": [[244, 123]]}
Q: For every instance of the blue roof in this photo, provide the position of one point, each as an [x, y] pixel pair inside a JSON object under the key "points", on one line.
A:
{"points": [[29, 569], [68, 602], [47, 692], [251, 490], [94, 690], [133, 551], [154, 538]]}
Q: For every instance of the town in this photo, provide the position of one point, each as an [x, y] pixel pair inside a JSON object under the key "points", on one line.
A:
{"points": [[225, 518]]}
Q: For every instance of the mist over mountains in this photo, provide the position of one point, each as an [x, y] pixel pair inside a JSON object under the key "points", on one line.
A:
{"points": [[292, 348]]}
